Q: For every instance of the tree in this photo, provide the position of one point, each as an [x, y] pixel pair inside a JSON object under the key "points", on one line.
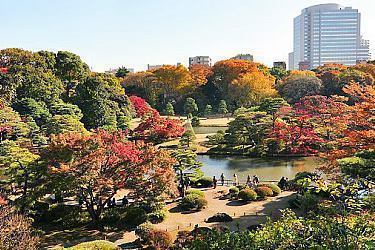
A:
{"points": [[251, 88], [96, 165], [37, 110], [155, 128], [190, 107], [173, 81], [122, 72], [11, 125], [169, 110], [222, 107], [362, 164], [278, 73], [16, 231], [272, 107], [71, 70], [200, 74], [18, 165], [295, 88], [95, 97], [249, 130], [208, 110], [141, 107], [187, 138], [60, 124]]}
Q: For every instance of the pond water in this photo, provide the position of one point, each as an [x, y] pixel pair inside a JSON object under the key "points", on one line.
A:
{"points": [[267, 169]]}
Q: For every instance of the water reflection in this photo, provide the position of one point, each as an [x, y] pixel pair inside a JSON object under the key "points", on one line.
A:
{"points": [[266, 169]]}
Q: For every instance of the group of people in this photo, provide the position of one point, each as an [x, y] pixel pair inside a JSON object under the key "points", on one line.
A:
{"points": [[251, 182]]}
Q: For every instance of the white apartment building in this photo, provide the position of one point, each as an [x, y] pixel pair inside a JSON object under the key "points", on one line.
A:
{"points": [[328, 33], [202, 60]]}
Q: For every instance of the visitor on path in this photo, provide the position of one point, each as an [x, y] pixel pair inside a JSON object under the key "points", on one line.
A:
{"points": [[222, 179], [248, 182], [287, 183], [282, 183], [255, 180], [235, 180], [125, 201], [214, 181], [187, 183]]}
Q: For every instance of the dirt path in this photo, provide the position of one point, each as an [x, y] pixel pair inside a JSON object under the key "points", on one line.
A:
{"points": [[244, 215]]}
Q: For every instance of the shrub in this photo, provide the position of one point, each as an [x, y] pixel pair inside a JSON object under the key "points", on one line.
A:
{"points": [[220, 217], [234, 190], [263, 192], [113, 216], [195, 191], [275, 189], [156, 239], [65, 216], [157, 216], [247, 194], [204, 182], [95, 245], [240, 187], [305, 202], [134, 216], [193, 201], [195, 121]]}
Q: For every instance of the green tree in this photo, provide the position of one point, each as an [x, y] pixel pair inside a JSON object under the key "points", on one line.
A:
{"points": [[60, 124], [122, 72], [272, 106], [278, 73], [222, 107], [37, 110], [18, 166], [187, 139], [190, 107], [169, 110], [71, 70], [208, 110], [11, 125]]}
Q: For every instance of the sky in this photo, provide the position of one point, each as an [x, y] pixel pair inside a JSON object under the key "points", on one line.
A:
{"points": [[133, 33]]}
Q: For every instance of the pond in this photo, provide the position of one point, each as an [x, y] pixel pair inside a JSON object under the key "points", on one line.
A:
{"points": [[267, 169]]}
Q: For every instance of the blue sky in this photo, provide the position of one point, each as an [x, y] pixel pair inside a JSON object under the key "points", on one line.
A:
{"points": [[133, 33]]}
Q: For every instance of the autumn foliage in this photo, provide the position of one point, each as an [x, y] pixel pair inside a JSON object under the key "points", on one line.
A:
{"points": [[96, 165]]}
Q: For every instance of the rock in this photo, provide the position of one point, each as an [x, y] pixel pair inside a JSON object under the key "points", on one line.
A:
{"points": [[220, 217]]}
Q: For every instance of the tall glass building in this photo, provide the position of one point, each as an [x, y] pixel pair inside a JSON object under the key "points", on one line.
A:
{"points": [[328, 33]]}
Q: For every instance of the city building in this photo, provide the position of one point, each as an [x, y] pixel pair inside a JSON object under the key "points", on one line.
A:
{"points": [[281, 65], [202, 60], [328, 33], [151, 67], [291, 60], [246, 57]]}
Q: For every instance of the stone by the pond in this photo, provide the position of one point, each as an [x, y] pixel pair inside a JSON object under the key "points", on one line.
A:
{"points": [[220, 217]]}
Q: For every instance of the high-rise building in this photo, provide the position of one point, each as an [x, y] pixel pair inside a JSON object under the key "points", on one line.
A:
{"points": [[328, 33], [281, 65], [202, 60], [246, 57]]}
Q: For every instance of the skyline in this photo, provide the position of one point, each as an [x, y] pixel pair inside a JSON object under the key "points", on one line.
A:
{"points": [[118, 33]]}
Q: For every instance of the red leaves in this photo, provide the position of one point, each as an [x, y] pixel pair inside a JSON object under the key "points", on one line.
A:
{"points": [[153, 126], [3, 70], [142, 108]]}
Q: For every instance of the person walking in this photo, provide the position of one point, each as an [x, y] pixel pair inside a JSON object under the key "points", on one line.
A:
{"points": [[214, 181], [222, 179], [235, 180], [248, 182], [282, 183], [255, 180]]}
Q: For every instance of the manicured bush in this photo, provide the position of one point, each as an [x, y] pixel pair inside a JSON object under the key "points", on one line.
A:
{"points": [[95, 245], [263, 192], [204, 182], [220, 217], [247, 194], [193, 201], [154, 238], [134, 216], [195, 121], [275, 189], [157, 216], [234, 190], [240, 187], [195, 191], [113, 217]]}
